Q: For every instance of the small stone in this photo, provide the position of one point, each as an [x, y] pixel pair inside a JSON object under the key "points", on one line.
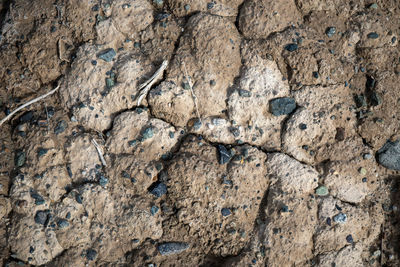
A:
{"points": [[103, 181], [373, 6], [349, 239], [158, 189], [375, 99], [244, 93], [197, 125], [41, 217], [148, 133], [94, 62], [362, 171], [20, 158], [360, 101], [132, 143], [340, 218], [154, 210], [186, 86], [42, 151], [91, 254], [329, 221], [291, 47], [373, 35], [225, 212], [367, 156], [107, 54], [330, 31], [170, 248], [389, 155], [60, 127], [224, 155], [322, 191], [27, 116], [171, 135], [364, 180], [282, 106], [210, 5], [38, 198], [61, 223], [187, 7], [302, 126], [110, 83], [315, 74]]}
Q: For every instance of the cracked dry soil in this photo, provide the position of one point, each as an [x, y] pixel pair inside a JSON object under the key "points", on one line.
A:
{"points": [[294, 160]]}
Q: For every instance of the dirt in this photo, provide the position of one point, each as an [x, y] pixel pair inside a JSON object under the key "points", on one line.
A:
{"points": [[271, 138]]}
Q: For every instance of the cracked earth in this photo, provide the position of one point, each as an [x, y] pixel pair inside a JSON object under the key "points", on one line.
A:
{"points": [[271, 139]]}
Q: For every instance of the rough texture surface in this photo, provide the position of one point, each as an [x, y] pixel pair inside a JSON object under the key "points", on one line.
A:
{"points": [[270, 139]]}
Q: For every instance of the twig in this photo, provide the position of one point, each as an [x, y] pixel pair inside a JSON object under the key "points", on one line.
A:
{"points": [[28, 104], [100, 152], [191, 90], [145, 87]]}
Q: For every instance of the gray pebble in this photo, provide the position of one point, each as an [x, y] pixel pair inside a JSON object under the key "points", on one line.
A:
{"points": [[170, 248]]}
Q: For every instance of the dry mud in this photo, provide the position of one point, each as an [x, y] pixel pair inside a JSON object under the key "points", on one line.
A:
{"points": [[271, 139]]}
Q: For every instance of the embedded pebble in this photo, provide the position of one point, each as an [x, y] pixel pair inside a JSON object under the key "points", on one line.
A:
{"points": [[389, 155], [107, 54], [170, 248], [158, 189], [282, 106]]}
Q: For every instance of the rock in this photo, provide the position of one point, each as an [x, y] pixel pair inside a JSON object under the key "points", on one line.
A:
{"points": [[322, 191], [373, 35], [349, 239], [41, 217], [158, 189], [20, 158], [226, 212], [170, 248], [224, 155], [27, 116], [148, 133], [91, 254], [107, 55], [60, 127], [282, 106], [330, 31], [291, 47], [340, 218], [62, 223], [389, 155]]}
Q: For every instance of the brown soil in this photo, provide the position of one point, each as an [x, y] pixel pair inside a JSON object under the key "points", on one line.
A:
{"points": [[271, 139]]}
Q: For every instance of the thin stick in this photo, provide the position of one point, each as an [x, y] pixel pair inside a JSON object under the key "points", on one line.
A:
{"points": [[191, 90], [100, 152], [28, 104], [149, 83]]}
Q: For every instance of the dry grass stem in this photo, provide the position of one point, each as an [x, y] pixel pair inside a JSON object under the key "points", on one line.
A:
{"points": [[145, 87], [9, 116], [100, 152]]}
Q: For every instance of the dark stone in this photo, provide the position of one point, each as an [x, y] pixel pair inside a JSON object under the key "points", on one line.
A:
{"points": [[38, 198], [20, 158], [360, 101], [60, 127], [315, 74], [41, 217], [103, 181], [302, 126], [225, 212], [373, 35], [154, 210], [330, 31], [349, 239], [282, 106], [27, 116], [224, 155], [91, 254], [210, 5], [329, 221], [158, 189], [78, 198], [389, 155], [148, 133], [42, 151], [291, 47], [107, 54], [244, 93], [61, 223], [339, 134], [375, 99], [170, 248]]}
